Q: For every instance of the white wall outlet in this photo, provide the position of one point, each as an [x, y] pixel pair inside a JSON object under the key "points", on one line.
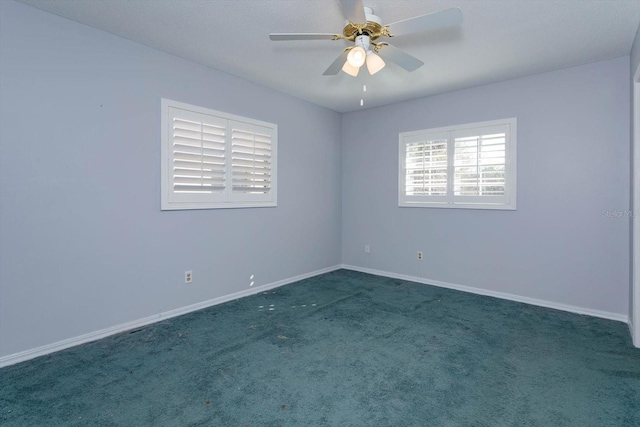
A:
{"points": [[419, 255], [188, 276], [367, 249]]}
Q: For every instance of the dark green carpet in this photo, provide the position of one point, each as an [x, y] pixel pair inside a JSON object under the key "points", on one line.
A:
{"points": [[341, 349]]}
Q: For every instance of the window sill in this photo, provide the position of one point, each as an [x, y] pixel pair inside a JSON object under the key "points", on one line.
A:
{"points": [[234, 205], [457, 206]]}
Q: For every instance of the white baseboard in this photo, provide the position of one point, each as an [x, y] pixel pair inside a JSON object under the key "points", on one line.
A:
{"points": [[93, 336], [502, 295]]}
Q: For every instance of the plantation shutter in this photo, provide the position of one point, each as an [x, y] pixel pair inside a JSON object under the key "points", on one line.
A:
{"points": [[468, 166], [480, 162], [425, 166], [212, 159], [251, 160], [198, 150]]}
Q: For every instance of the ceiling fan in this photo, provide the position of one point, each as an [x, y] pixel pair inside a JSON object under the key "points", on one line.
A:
{"points": [[363, 28]]}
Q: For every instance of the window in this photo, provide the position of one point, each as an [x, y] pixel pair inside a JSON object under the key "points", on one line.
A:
{"points": [[466, 166], [216, 160]]}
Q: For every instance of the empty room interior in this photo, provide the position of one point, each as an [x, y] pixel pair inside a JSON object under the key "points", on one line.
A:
{"points": [[327, 212]]}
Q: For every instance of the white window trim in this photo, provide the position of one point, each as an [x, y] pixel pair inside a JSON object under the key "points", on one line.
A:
{"points": [[220, 201], [457, 202]]}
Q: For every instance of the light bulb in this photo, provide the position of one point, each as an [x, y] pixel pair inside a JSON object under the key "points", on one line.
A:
{"points": [[356, 56], [349, 69], [374, 63]]}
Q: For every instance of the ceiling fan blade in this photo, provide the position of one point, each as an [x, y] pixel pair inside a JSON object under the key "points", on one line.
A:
{"points": [[303, 36], [336, 66], [353, 10], [430, 21], [395, 55]]}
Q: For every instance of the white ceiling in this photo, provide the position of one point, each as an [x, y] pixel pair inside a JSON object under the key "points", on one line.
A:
{"points": [[499, 40]]}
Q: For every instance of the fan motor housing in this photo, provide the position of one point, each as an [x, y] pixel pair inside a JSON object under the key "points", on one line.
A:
{"points": [[372, 28]]}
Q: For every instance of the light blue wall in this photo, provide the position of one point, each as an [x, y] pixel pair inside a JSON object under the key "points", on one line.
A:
{"points": [[573, 164], [84, 245]]}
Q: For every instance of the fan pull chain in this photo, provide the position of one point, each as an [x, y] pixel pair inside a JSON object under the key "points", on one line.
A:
{"points": [[364, 89]]}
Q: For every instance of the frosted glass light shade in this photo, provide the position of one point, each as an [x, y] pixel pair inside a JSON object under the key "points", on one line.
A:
{"points": [[350, 69], [356, 56], [374, 63]]}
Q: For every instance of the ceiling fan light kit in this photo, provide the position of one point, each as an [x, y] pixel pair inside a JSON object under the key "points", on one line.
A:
{"points": [[357, 56], [350, 69], [374, 63], [363, 28], [360, 54]]}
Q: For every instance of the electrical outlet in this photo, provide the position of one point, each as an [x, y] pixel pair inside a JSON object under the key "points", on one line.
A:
{"points": [[419, 256], [367, 249], [188, 276]]}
